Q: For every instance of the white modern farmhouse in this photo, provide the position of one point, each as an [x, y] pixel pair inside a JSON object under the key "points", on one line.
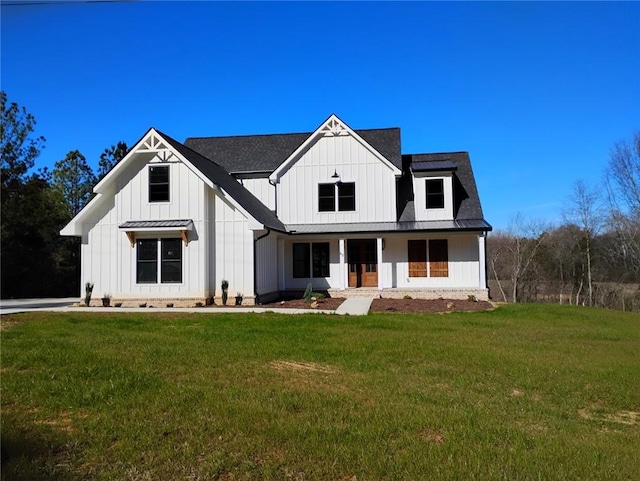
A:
{"points": [[341, 209]]}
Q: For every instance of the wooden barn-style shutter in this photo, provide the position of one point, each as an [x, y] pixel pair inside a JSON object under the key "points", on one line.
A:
{"points": [[417, 256], [438, 258]]}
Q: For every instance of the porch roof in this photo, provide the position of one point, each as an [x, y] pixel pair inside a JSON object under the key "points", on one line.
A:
{"points": [[409, 226]]}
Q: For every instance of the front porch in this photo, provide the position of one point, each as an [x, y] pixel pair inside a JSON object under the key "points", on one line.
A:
{"points": [[414, 293]]}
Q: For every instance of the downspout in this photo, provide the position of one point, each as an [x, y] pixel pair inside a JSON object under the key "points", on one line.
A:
{"points": [[486, 266], [275, 191], [255, 265]]}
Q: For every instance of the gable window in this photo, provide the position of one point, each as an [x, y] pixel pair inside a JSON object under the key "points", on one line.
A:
{"points": [[437, 255], [345, 192], [310, 258], [435, 193], [159, 183], [346, 196], [164, 255], [326, 197]]}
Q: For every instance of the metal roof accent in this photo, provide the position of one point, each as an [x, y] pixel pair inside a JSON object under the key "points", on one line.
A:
{"points": [[184, 224], [389, 227], [429, 166]]}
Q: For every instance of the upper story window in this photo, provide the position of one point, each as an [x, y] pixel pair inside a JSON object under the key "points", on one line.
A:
{"points": [[159, 183], [326, 197], [435, 193], [347, 196], [345, 192]]}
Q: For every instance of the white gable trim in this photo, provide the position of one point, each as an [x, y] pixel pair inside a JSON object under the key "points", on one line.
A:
{"points": [[333, 126], [151, 144]]}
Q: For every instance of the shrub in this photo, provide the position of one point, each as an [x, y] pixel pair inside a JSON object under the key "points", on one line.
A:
{"points": [[472, 298], [407, 297], [88, 290], [308, 293]]}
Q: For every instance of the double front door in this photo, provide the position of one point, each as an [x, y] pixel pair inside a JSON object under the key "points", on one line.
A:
{"points": [[363, 262]]}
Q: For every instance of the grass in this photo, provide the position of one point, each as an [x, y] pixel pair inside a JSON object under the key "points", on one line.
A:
{"points": [[526, 392]]}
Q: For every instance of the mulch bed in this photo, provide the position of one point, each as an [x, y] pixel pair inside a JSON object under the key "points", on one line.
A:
{"points": [[326, 304], [428, 305], [391, 305]]}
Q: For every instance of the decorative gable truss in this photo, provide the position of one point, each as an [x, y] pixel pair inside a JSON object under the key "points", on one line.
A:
{"points": [[332, 127]]}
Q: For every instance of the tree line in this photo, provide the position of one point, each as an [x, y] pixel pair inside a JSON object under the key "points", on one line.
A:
{"points": [[592, 258], [35, 206]]}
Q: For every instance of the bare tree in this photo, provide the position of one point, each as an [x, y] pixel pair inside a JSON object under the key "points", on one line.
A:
{"points": [[623, 182], [585, 210], [514, 252]]}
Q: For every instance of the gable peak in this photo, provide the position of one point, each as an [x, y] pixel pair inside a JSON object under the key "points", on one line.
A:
{"points": [[334, 127]]}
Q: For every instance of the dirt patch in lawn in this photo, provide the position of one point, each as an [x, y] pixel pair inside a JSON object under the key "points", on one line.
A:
{"points": [[428, 305]]}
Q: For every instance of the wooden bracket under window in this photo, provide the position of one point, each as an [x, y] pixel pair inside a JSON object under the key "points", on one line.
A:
{"points": [[185, 238], [132, 237]]}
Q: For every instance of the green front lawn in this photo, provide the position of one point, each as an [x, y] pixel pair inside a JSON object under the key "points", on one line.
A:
{"points": [[526, 392]]}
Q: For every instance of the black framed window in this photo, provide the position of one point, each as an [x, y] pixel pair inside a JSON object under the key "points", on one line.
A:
{"points": [[301, 260], [326, 197], [159, 183], [435, 193], [320, 259], [147, 261], [169, 251], [171, 260], [347, 196]]}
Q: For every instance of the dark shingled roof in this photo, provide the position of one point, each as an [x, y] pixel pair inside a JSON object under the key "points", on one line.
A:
{"points": [[466, 200], [433, 165], [265, 153], [224, 180]]}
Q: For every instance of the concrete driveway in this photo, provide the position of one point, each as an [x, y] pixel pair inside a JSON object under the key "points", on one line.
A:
{"points": [[13, 306]]}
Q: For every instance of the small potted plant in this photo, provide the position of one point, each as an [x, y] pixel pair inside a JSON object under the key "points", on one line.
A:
{"points": [[239, 299], [88, 290], [225, 291], [106, 299]]}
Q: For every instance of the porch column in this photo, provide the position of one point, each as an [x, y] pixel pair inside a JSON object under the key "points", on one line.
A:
{"points": [[482, 264], [342, 271], [379, 247]]}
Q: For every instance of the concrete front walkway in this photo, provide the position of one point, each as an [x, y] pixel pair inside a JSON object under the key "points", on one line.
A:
{"points": [[353, 307]]}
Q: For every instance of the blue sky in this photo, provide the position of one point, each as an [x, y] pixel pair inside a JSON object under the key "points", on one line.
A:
{"points": [[538, 93]]}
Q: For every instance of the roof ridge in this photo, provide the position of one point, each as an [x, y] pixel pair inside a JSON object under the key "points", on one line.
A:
{"points": [[276, 134]]}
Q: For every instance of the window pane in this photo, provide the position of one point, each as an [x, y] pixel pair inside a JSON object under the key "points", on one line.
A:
{"points": [[171, 269], [301, 259], [347, 196], [326, 197], [438, 258], [147, 261], [321, 259], [417, 256], [435, 193], [159, 183]]}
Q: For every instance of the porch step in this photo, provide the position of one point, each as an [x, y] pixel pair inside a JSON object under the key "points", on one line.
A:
{"points": [[355, 306]]}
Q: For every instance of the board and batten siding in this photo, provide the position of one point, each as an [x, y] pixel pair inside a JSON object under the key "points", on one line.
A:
{"points": [[109, 261], [232, 248], [420, 196], [262, 189], [464, 263], [375, 189], [266, 263]]}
